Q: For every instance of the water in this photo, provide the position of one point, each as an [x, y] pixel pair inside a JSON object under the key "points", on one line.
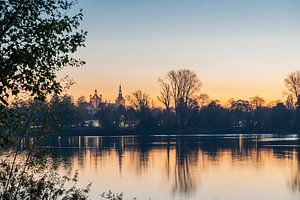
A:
{"points": [[205, 167]]}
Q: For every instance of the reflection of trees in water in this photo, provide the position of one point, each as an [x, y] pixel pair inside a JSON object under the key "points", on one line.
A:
{"points": [[294, 181], [143, 149], [184, 158]]}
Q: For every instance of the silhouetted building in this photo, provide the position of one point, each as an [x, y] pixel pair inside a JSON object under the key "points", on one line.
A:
{"points": [[120, 101], [96, 102]]}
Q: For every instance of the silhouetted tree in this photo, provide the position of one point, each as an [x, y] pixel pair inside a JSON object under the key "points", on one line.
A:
{"points": [[280, 117], [107, 118], [290, 102], [184, 85], [82, 107], [292, 83], [240, 113], [64, 112], [214, 117], [37, 38], [203, 100], [139, 101], [257, 102], [165, 94], [262, 119]]}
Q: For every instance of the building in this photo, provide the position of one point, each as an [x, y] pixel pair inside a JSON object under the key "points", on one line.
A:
{"points": [[96, 102], [120, 101]]}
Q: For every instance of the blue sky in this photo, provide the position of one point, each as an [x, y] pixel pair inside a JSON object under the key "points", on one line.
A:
{"points": [[238, 48]]}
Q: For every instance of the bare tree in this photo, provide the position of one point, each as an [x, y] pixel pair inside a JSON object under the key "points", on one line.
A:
{"points": [[139, 101], [165, 94], [292, 83], [184, 84], [257, 102], [289, 103], [203, 100]]}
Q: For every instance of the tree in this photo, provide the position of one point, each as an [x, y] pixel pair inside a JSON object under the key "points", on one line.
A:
{"points": [[139, 101], [290, 102], [203, 100], [240, 113], [82, 107], [241, 105], [64, 111], [81, 100], [184, 85], [106, 116], [257, 102], [292, 83], [165, 94], [214, 117], [37, 38], [281, 117]]}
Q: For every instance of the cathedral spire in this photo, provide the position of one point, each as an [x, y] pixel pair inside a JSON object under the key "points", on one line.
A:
{"points": [[120, 91], [120, 99]]}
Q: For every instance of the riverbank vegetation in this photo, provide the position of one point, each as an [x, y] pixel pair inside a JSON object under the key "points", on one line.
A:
{"points": [[37, 39], [185, 109]]}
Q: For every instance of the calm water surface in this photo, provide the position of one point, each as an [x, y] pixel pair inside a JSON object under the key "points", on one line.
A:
{"points": [[205, 167]]}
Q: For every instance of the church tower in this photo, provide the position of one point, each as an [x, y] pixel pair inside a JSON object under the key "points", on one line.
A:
{"points": [[120, 101], [95, 101]]}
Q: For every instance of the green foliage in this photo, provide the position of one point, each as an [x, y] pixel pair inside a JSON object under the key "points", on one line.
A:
{"points": [[37, 38]]}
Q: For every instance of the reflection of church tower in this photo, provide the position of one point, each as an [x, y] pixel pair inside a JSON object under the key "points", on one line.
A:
{"points": [[120, 101]]}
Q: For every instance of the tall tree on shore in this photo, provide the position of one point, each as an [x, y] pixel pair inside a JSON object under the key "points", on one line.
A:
{"points": [[292, 83], [37, 38], [184, 84], [165, 94]]}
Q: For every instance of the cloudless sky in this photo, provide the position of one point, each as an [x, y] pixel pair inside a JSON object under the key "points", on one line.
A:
{"points": [[238, 48]]}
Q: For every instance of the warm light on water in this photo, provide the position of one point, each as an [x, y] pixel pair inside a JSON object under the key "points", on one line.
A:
{"points": [[231, 167]]}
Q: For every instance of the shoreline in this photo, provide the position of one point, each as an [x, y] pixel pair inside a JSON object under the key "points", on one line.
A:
{"points": [[136, 132]]}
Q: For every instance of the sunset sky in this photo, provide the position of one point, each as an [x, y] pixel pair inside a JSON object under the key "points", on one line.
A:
{"points": [[238, 48]]}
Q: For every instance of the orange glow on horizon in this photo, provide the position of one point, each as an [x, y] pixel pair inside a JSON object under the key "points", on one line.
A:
{"points": [[222, 94]]}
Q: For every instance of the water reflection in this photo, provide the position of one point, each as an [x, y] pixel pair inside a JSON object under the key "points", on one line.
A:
{"points": [[170, 167]]}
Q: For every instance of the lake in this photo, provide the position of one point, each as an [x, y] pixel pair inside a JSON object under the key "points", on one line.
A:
{"points": [[205, 167]]}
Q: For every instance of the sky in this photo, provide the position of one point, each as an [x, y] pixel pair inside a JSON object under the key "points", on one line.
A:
{"points": [[238, 48]]}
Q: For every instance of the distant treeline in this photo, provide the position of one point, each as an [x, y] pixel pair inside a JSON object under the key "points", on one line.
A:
{"points": [[185, 108], [241, 115]]}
